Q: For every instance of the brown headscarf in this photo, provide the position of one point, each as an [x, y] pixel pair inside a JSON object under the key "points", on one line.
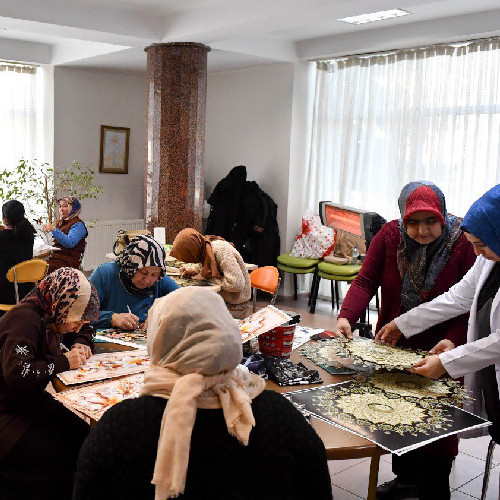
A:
{"points": [[195, 348], [191, 246]]}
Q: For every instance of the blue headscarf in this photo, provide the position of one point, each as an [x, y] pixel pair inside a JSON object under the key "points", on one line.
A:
{"points": [[483, 219]]}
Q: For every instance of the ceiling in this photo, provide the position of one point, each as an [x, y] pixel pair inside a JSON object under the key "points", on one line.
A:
{"points": [[112, 34]]}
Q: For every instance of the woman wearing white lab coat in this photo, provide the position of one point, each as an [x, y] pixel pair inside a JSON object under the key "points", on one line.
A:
{"points": [[478, 292]]}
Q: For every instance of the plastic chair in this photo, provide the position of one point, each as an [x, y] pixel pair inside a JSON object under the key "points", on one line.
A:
{"points": [[267, 279], [296, 265], [28, 271]]}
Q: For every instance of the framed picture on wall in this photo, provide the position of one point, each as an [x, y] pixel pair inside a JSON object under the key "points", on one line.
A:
{"points": [[113, 157]]}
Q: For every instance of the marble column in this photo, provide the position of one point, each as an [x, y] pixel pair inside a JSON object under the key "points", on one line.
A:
{"points": [[175, 162]]}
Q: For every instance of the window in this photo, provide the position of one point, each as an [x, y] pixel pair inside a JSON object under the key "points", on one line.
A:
{"points": [[383, 120]]}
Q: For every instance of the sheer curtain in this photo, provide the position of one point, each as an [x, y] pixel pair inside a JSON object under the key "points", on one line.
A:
{"points": [[380, 121], [19, 114]]}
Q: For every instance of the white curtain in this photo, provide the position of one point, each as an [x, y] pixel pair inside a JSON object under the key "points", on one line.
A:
{"points": [[383, 120], [19, 114]]}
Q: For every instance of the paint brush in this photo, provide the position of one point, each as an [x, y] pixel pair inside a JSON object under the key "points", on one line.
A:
{"points": [[129, 309]]}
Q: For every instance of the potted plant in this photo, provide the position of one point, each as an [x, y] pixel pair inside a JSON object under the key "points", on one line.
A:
{"points": [[39, 187]]}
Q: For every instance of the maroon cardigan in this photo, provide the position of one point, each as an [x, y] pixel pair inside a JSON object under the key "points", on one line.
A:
{"points": [[380, 269]]}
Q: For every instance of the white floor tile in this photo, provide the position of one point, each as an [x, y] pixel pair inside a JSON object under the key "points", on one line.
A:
{"points": [[337, 466], [340, 494], [458, 495], [478, 447], [355, 479], [475, 486], [464, 469]]}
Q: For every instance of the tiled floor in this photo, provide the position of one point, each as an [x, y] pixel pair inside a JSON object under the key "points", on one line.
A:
{"points": [[350, 477]]}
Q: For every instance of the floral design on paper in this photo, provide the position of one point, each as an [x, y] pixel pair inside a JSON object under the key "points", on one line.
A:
{"points": [[109, 365], [364, 405], [93, 400]]}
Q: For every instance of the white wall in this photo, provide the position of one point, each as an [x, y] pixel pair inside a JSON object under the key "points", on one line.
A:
{"points": [[85, 99], [249, 119]]}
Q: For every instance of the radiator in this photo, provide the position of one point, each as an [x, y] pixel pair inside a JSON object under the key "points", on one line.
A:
{"points": [[102, 236]]}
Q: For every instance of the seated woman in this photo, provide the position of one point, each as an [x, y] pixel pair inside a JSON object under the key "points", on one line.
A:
{"points": [[69, 234], [413, 260], [219, 259], [128, 287], [39, 438], [203, 427], [16, 245], [479, 293]]}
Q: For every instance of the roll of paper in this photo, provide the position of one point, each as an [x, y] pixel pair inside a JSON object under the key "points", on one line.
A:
{"points": [[159, 235]]}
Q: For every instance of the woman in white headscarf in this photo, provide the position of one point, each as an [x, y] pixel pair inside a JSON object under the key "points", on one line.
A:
{"points": [[220, 435]]}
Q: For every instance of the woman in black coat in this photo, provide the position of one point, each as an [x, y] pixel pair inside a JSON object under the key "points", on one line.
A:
{"points": [[16, 245]]}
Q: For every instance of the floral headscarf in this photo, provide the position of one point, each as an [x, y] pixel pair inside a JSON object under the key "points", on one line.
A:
{"points": [[65, 295], [419, 265], [191, 246], [142, 251]]}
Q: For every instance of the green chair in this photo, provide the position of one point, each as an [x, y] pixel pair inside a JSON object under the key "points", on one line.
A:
{"points": [[296, 265], [334, 273]]}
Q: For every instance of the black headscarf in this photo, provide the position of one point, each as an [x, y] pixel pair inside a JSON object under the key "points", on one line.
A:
{"points": [[142, 251]]}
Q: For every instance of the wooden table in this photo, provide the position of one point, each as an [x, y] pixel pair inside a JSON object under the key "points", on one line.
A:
{"points": [[339, 444]]}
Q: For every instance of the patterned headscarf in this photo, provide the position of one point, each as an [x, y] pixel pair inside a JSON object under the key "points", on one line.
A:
{"points": [[191, 246], [65, 296], [76, 208], [483, 219], [142, 251], [419, 265], [195, 348]]}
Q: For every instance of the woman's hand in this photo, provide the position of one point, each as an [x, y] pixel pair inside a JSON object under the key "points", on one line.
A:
{"points": [[76, 358], [430, 367], [389, 334], [85, 349], [188, 272], [343, 327], [48, 227], [125, 321], [442, 346]]}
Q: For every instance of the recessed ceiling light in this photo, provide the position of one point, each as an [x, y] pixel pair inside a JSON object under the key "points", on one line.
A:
{"points": [[374, 16]]}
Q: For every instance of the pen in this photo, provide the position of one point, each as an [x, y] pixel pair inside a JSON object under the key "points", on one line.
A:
{"points": [[63, 348], [129, 309]]}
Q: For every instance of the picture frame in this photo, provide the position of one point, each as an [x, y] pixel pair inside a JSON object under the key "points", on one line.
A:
{"points": [[113, 157]]}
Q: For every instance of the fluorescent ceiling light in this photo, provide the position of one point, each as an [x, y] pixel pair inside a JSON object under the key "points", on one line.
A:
{"points": [[374, 16]]}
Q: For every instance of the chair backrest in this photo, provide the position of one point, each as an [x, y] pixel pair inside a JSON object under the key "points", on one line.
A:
{"points": [[27, 272], [267, 279]]}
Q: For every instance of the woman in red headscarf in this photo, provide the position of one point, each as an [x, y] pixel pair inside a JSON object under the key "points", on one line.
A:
{"points": [[413, 260]]}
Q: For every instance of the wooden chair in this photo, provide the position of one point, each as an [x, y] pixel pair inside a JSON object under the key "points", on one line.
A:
{"points": [[267, 279], [28, 271]]}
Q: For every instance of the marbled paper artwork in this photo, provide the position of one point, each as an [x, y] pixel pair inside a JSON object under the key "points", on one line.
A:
{"points": [[397, 423], [261, 322], [445, 390], [93, 400], [366, 354], [108, 365], [136, 339], [325, 353]]}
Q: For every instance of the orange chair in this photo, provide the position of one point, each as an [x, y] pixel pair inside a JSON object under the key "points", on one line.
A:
{"points": [[28, 271], [267, 279]]}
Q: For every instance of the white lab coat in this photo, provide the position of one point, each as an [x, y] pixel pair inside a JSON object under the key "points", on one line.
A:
{"points": [[468, 359]]}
